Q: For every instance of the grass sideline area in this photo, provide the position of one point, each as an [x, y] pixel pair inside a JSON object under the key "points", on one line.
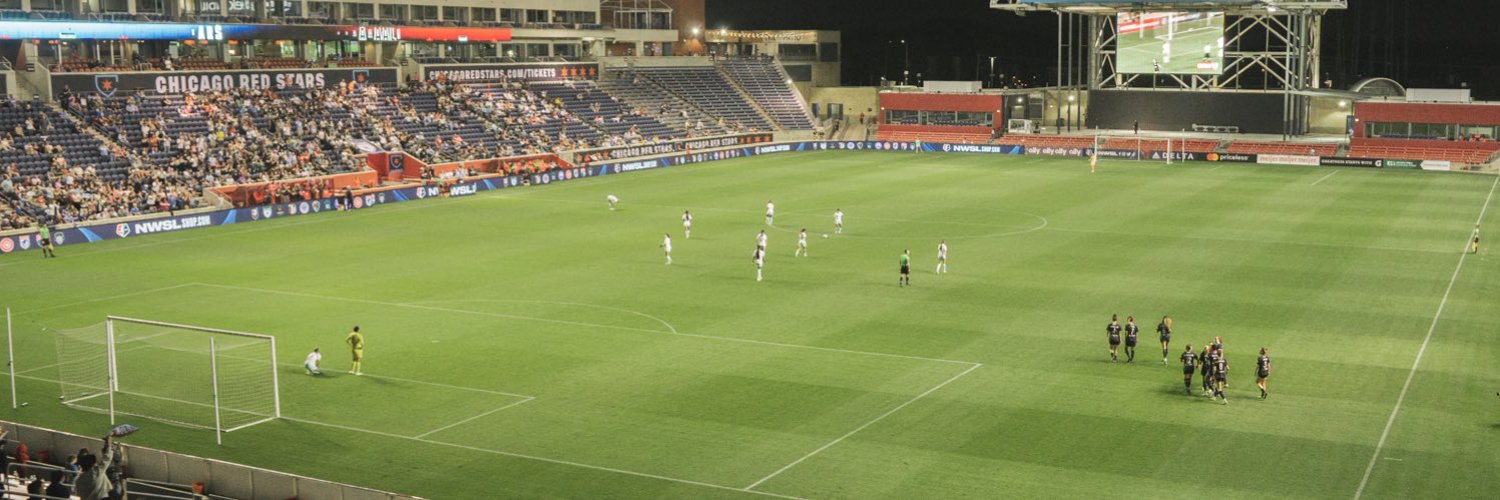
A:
{"points": [[532, 343]]}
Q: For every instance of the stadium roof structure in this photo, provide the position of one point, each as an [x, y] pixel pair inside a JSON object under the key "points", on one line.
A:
{"points": [[1233, 7]]}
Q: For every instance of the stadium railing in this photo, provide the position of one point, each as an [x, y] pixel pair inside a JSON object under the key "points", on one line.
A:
{"points": [[222, 478]]}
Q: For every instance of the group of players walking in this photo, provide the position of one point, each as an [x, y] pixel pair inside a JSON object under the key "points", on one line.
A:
{"points": [[1211, 363], [759, 256]]}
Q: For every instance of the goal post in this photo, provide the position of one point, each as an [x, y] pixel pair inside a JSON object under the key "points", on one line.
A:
{"points": [[192, 376], [1140, 147]]}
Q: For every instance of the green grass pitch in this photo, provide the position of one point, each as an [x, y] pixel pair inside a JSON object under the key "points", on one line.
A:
{"points": [[532, 343]]}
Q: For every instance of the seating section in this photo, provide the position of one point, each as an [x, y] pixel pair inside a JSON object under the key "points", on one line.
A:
{"points": [[604, 111], [707, 89], [768, 86], [1161, 145], [1475, 156], [666, 107], [1284, 148], [53, 170], [948, 137], [1048, 141]]}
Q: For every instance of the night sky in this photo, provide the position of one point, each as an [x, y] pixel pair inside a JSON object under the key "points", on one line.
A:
{"points": [[1441, 43]]}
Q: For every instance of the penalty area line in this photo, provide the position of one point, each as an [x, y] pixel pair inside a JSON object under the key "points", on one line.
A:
{"points": [[856, 430], [1422, 351], [473, 418], [537, 458]]}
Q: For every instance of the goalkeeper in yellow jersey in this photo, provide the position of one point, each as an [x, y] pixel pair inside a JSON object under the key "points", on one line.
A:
{"points": [[356, 343]]}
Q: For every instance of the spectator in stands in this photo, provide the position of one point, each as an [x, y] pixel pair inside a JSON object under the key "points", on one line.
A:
{"points": [[35, 489], [23, 456], [58, 488], [93, 483]]}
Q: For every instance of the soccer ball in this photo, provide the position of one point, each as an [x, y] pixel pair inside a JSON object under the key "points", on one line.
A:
{"points": [[825, 235]]}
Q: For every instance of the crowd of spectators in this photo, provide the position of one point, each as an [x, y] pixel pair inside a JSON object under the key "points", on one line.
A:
{"points": [[174, 147]]}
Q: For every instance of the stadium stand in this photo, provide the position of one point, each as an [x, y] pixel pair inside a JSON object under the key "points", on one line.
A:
{"points": [[1048, 141], [1471, 156], [668, 108], [766, 83], [1284, 148], [952, 137], [710, 91], [1160, 145], [605, 112]]}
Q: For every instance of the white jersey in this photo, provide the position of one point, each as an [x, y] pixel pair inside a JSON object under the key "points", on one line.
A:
{"points": [[313, 358], [770, 209], [687, 220], [943, 251], [838, 217], [761, 240], [612, 199], [802, 239], [666, 243]]}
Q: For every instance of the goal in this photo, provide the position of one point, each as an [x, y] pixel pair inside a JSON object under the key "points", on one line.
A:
{"points": [[185, 375], [1140, 148]]}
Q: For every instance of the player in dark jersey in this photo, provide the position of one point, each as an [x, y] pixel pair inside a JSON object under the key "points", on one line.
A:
{"points": [[1262, 370], [1189, 360], [1204, 364], [1221, 378], [1164, 331], [1114, 337], [1132, 335]]}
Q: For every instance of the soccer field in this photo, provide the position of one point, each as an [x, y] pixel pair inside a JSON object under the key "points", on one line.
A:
{"points": [[532, 343]]}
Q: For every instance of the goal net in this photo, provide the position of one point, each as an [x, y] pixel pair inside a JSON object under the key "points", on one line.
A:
{"points": [[1142, 148], [179, 374]]}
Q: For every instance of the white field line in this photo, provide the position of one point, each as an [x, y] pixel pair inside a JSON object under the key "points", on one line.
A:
{"points": [[1246, 240], [102, 299], [536, 458], [1389, 422], [1330, 174], [860, 428], [383, 377], [158, 241], [475, 448], [583, 324], [471, 419]]}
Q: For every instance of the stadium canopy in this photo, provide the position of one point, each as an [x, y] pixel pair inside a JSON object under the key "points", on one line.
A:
{"points": [[1241, 7]]}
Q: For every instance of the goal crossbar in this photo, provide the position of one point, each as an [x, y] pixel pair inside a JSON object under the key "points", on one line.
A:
{"points": [[219, 348]]}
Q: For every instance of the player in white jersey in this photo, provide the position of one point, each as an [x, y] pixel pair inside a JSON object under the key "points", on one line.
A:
{"points": [[838, 221], [801, 244], [770, 212], [313, 361], [942, 266], [760, 241], [760, 262], [612, 201], [666, 246], [687, 224], [1474, 242]]}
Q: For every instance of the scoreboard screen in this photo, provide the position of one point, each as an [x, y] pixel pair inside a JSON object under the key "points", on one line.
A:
{"points": [[1171, 43]]}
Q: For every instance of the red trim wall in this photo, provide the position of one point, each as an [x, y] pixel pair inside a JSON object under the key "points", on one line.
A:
{"points": [[1459, 114], [941, 102]]}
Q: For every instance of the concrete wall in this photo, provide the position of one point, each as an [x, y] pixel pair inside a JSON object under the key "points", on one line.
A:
{"points": [[855, 99]]}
